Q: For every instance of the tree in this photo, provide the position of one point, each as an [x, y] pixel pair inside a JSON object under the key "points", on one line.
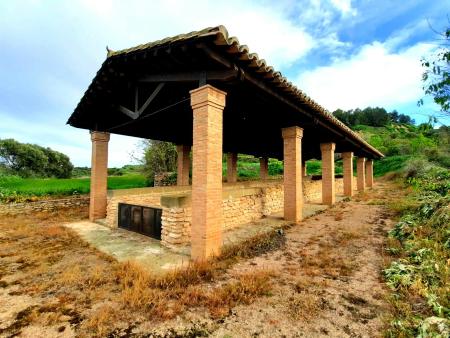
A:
{"points": [[27, 160], [375, 117], [159, 157], [436, 76], [58, 164]]}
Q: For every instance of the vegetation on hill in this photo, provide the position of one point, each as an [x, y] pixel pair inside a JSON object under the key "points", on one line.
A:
{"points": [[374, 117], [128, 169], [401, 143]]}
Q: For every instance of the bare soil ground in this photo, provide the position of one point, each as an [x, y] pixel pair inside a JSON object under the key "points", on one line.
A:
{"points": [[324, 281]]}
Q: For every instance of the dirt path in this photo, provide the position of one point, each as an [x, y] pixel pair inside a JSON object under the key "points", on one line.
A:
{"points": [[328, 281], [325, 283]]}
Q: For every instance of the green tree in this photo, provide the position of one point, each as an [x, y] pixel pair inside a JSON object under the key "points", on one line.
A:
{"points": [[27, 160], [375, 117], [436, 76], [58, 164], [159, 157]]}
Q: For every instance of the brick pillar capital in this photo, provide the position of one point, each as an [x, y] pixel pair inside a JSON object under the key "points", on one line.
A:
{"points": [[292, 132], [328, 146], [347, 154], [361, 159], [99, 136], [207, 95]]}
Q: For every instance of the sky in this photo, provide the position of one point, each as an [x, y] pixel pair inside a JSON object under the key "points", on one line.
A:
{"points": [[344, 54]]}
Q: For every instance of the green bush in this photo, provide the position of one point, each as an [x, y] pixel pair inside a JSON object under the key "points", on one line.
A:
{"points": [[420, 276], [275, 167], [314, 167]]}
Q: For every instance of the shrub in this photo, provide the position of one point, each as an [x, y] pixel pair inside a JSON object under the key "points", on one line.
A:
{"points": [[420, 241], [417, 167]]}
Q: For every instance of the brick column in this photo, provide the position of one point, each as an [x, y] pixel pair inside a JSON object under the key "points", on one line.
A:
{"points": [[232, 167], [293, 195], [360, 172], [264, 168], [369, 173], [99, 175], [328, 185], [304, 172], [347, 160], [206, 232], [183, 164]]}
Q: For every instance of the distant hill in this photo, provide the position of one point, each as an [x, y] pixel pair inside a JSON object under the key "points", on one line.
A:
{"points": [[403, 142]]}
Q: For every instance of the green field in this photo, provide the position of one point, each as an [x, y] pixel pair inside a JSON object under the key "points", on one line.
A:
{"points": [[16, 186]]}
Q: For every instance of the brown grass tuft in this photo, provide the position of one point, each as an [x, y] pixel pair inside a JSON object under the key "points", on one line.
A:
{"points": [[303, 306]]}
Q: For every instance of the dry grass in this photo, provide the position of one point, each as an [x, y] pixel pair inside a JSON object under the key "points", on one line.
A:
{"points": [[304, 306], [75, 284]]}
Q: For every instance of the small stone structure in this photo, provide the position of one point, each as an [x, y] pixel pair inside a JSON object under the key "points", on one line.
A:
{"points": [[242, 203], [43, 205]]}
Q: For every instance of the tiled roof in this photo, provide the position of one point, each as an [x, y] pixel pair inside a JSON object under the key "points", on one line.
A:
{"points": [[236, 50]]}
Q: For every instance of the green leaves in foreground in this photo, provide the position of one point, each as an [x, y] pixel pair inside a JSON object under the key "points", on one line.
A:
{"points": [[420, 276]]}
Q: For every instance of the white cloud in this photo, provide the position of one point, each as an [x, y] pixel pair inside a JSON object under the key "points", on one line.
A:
{"points": [[374, 76], [345, 6], [267, 30]]}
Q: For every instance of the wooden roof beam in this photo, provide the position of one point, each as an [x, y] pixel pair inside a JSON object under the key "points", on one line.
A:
{"points": [[216, 75]]}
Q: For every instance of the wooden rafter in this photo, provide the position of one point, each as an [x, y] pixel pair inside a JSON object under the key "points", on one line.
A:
{"points": [[137, 112]]}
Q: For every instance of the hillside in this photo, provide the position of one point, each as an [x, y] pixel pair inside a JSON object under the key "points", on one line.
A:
{"points": [[403, 142]]}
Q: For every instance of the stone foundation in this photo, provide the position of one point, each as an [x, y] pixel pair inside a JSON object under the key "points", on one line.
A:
{"points": [[43, 205], [242, 203]]}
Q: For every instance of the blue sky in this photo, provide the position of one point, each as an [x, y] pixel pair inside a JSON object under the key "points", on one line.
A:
{"points": [[344, 54]]}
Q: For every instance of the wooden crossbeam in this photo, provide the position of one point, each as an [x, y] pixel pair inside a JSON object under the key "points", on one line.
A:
{"points": [[138, 112], [217, 75]]}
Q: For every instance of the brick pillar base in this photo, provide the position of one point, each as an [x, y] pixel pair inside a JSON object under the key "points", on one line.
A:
{"points": [[206, 232], [99, 175], [347, 159], [183, 164], [293, 195], [369, 173], [263, 168], [328, 185], [232, 167], [360, 172]]}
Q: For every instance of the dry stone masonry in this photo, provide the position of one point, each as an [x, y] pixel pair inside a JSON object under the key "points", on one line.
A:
{"points": [[242, 203], [44, 205]]}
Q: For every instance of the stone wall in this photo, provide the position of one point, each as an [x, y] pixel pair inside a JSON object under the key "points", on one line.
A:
{"points": [[43, 205], [176, 227], [242, 203], [149, 200], [149, 197]]}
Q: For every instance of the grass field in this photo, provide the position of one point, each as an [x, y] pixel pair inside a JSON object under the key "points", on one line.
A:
{"points": [[70, 186]]}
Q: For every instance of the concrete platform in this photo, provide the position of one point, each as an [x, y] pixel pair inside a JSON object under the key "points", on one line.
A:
{"points": [[126, 245]]}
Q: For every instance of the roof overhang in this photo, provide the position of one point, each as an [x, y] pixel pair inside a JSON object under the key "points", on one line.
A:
{"points": [[144, 92]]}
